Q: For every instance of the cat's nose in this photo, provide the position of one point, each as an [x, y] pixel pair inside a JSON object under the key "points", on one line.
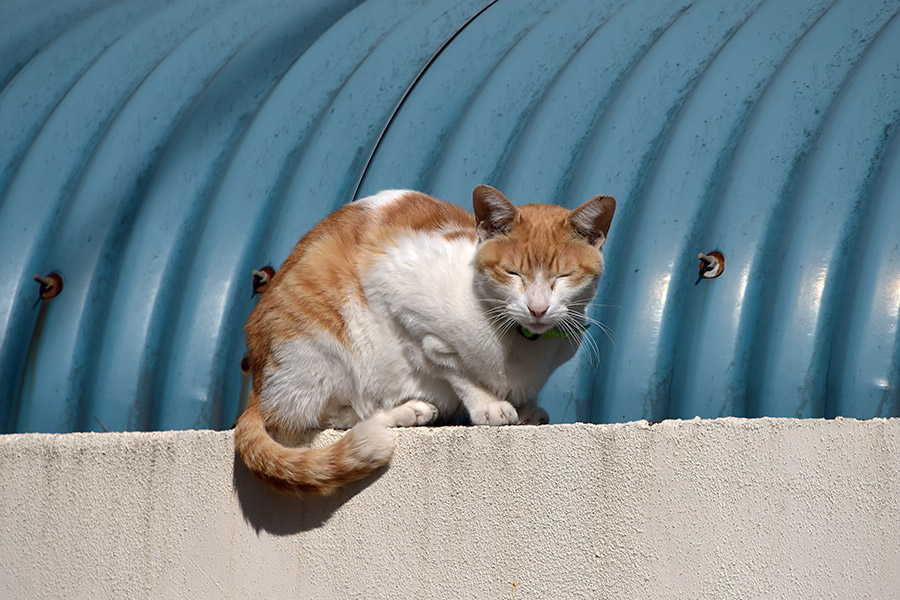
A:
{"points": [[538, 310], [537, 298]]}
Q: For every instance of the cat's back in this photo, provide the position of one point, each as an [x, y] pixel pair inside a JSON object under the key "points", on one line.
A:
{"points": [[328, 267], [394, 213]]}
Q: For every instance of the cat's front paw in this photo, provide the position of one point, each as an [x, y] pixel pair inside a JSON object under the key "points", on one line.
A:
{"points": [[410, 414], [533, 415], [498, 412]]}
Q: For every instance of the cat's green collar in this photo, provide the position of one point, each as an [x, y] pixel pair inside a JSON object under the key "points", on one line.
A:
{"points": [[550, 333]]}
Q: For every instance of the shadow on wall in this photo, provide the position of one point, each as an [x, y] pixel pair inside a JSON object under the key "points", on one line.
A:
{"points": [[279, 513]]}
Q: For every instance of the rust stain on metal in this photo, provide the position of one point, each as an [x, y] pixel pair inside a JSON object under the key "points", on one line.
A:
{"points": [[29, 369]]}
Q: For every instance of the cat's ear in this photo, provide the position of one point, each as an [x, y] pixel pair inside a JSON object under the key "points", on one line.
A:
{"points": [[493, 212], [591, 220]]}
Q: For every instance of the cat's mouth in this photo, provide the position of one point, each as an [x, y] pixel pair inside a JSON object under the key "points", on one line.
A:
{"points": [[537, 326]]}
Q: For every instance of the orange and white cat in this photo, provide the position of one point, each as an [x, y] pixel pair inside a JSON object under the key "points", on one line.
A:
{"points": [[400, 307]]}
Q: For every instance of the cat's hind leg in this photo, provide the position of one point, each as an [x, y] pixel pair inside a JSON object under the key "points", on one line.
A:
{"points": [[310, 385]]}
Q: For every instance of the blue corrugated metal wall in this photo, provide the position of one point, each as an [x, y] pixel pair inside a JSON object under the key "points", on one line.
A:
{"points": [[153, 152]]}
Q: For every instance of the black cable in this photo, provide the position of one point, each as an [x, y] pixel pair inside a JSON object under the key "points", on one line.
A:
{"points": [[431, 60]]}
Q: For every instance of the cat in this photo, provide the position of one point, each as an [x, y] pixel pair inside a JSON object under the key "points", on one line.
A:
{"points": [[399, 307]]}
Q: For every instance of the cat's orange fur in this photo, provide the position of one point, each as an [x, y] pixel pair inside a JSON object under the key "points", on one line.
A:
{"points": [[321, 286]]}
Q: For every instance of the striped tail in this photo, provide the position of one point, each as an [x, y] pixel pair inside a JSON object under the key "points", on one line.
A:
{"points": [[363, 449]]}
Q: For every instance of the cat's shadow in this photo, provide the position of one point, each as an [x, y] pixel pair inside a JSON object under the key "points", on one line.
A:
{"points": [[281, 513]]}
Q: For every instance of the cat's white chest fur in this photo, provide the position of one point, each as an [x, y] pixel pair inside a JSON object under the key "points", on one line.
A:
{"points": [[429, 334], [420, 299]]}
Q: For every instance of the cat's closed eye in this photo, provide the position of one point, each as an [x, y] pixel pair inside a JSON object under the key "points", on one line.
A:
{"points": [[556, 278]]}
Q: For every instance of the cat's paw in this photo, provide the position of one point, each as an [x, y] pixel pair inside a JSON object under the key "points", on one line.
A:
{"points": [[533, 415], [410, 414], [498, 412]]}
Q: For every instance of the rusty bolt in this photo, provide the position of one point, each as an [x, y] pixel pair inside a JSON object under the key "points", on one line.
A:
{"points": [[261, 279], [711, 265], [51, 285]]}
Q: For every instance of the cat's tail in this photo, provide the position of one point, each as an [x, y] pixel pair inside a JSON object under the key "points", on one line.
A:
{"points": [[363, 449]]}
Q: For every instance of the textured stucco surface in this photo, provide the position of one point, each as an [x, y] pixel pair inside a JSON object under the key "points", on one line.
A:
{"points": [[729, 508]]}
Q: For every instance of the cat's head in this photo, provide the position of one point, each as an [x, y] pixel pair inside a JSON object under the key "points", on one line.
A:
{"points": [[538, 265]]}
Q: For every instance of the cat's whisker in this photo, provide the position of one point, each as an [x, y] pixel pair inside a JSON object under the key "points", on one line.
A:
{"points": [[496, 310], [594, 321], [501, 309], [574, 331], [607, 332], [573, 335], [502, 322], [500, 319], [593, 304], [593, 349], [574, 321], [586, 308], [503, 328], [602, 327]]}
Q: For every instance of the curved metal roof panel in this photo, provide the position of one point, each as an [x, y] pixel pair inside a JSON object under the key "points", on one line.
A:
{"points": [[155, 152]]}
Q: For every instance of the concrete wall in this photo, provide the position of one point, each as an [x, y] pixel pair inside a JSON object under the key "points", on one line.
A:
{"points": [[728, 508]]}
